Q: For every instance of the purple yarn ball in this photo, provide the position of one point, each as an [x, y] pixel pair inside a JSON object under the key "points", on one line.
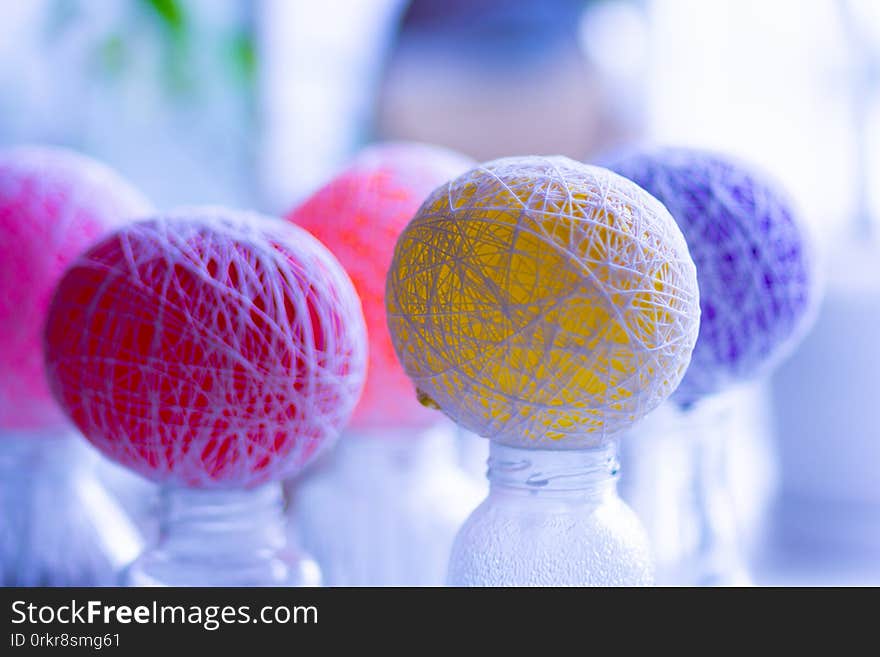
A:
{"points": [[754, 262]]}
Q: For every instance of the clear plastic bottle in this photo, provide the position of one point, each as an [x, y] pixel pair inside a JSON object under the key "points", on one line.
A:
{"points": [[681, 488], [223, 538], [552, 518], [59, 526], [384, 509]]}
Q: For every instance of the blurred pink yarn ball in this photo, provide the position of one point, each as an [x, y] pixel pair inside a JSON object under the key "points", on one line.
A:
{"points": [[358, 215], [53, 204]]}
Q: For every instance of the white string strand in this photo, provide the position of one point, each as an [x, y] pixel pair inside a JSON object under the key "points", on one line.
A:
{"points": [[541, 302], [359, 215], [208, 348], [753, 256]]}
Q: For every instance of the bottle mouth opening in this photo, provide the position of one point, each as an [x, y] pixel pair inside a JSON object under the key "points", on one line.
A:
{"points": [[553, 470]]}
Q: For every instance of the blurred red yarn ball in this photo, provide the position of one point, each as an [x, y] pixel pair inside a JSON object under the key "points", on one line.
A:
{"points": [[358, 215], [53, 204], [207, 349]]}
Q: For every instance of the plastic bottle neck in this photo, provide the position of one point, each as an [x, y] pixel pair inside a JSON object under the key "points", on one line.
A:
{"points": [[704, 419], [576, 475], [706, 429], [218, 522]]}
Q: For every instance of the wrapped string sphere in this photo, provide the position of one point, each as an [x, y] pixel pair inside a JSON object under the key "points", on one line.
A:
{"points": [[547, 305], [59, 526], [53, 204], [358, 216], [392, 491], [754, 266], [757, 290], [542, 302], [207, 349], [213, 352]]}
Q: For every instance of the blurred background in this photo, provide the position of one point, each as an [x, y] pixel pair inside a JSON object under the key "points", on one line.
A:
{"points": [[254, 103]]}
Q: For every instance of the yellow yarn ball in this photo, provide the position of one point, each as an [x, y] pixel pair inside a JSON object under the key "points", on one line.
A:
{"points": [[543, 302]]}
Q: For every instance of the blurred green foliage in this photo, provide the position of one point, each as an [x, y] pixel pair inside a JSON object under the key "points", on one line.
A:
{"points": [[171, 25], [170, 12]]}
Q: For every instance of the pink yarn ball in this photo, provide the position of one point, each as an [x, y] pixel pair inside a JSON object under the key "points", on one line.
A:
{"points": [[53, 204], [207, 349], [359, 215]]}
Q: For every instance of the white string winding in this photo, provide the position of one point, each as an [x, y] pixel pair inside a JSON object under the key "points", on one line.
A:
{"points": [[207, 348], [542, 302], [359, 215], [753, 256]]}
